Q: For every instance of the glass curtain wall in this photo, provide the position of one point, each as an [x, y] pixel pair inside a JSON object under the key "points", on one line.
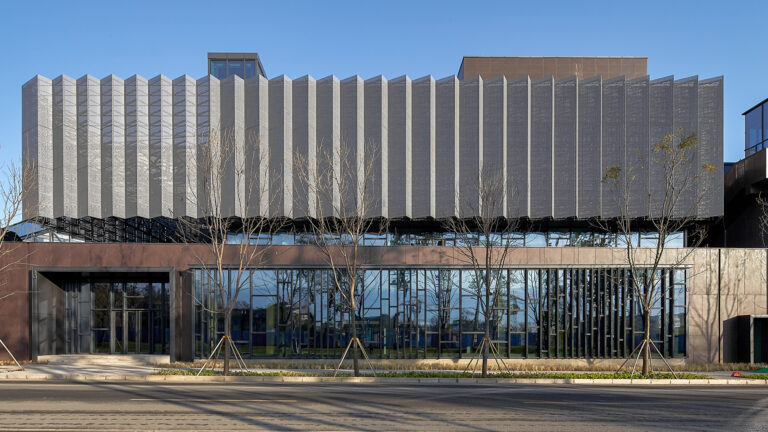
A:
{"points": [[116, 316], [433, 313]]}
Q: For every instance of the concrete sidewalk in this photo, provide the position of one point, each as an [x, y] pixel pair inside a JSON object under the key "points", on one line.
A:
{"points": [[145, 368], [147, 373]]}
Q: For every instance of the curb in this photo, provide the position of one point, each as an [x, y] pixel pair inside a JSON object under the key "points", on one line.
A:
{"points": [[370, 380]]}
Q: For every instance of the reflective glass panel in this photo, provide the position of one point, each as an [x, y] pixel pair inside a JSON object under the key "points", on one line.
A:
{"points": [[219, 68], [236, 68], [250, 68], [753, 127]]}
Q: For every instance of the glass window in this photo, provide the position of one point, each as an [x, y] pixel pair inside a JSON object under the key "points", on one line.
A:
{"points": [[753, 127], [236, 68], [765, 122], [582, 238], [535, 240], [558, 239], [675, 240], [219, 68], [250, 68]]}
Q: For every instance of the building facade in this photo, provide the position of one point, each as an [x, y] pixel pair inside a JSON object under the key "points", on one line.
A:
{"points": [[116, 162]]}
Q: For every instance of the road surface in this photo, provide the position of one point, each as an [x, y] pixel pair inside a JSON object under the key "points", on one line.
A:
{"points": [[150, 406]]}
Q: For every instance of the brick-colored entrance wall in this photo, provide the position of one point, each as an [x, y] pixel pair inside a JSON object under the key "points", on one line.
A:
{"points": [[722, 283]]}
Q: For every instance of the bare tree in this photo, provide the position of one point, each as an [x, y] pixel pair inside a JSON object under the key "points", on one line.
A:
{"points": [[483, 240], [17, 183], [762, 221], [341, 180], [673, 210], [234, 227]]}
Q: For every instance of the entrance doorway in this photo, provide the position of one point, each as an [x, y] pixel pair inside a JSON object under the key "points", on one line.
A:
{"points": [[103, 313]]}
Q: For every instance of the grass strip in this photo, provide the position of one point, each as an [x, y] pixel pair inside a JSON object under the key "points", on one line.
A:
{"points": [[430, 374]]}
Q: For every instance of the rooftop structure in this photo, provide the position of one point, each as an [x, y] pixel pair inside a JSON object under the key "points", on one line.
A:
{"points": [[556, 67]]}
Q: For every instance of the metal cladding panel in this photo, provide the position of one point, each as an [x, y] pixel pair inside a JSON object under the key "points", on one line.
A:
{"points": [[423, 148], [113, 146], [660, 125], [37, 147], [494, 167], [257, 144], [233, 192], [64, 143], [638, 145], [518, 146], [160, 146], [304, 144], [470, 144], [614, 148], [328, 143], [542, 146], [399, 202], [281, 146], [590, 172], [89, 147], [352, 144], [710, 101], [184, 146], [565, 184], [208, 138], [447, 147], [686, 121], [136, 147], [376, 135]]}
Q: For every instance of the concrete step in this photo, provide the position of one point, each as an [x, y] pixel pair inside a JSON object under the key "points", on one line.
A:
{"points": [[105, 360]]}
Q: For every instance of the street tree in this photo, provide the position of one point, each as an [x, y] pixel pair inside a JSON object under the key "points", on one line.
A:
{"points": [[673, 210], [16, 185], [232, 233], [483, 241], [340, 184]]}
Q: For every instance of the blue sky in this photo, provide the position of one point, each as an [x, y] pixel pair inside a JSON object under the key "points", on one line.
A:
{"points": [[704, 38]]}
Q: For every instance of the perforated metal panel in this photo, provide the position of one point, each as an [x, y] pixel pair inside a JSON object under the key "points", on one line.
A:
{"points": [[89, 147], [160, 147], [660, 124], [637, 141], [613, 154], [566, 147], [281, 146], [589, 159], [184, 145], [136, 144], [328, 140], [137, 147], [542, 142], [494, 157], [399, 150], [518, 146], [38, 152], [257, 143], [686, 121], [304, 145], [113, 146], [423, 148], [377, 143], [447, 147], [710, 134]]}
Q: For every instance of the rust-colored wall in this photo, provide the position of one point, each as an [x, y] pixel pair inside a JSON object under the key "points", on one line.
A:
{"points": [[722, 283], [558, 67]]}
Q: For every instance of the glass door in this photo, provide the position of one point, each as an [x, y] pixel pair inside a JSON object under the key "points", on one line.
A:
{"points": [[135, 343]]}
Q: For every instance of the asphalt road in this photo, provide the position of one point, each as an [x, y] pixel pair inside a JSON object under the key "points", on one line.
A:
{"points": [[147, 407]]}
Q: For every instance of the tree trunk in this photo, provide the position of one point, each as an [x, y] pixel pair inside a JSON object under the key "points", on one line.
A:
{"points": [[488, 309], [647, 339], [355, 354], [226, 342]]}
